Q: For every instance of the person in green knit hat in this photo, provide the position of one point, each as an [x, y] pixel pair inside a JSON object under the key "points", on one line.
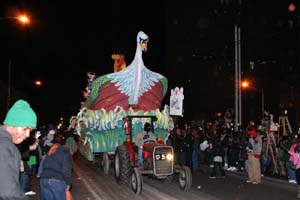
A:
{"points": [[19, 121]]}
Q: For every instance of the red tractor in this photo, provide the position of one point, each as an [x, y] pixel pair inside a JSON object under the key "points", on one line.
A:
{"points": [[158, 161]]}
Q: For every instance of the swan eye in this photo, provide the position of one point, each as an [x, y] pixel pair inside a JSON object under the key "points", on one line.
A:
{"points": [[143, 41]]}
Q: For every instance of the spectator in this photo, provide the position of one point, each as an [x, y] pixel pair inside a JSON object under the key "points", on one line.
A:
{"points": [[295, 154], [233, 152], [171, 139], [196, 149], [174, 142], [254, 151], [46, 145], [242, 155], [181, 159], [225, 145], [30, 158], [218, 155], [56, 176], [69, 136], [286, 143], [19, 121], [48, 139]]}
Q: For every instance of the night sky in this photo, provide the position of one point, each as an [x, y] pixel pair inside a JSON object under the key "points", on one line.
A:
{"points": [[191, 43], [68, 38]]}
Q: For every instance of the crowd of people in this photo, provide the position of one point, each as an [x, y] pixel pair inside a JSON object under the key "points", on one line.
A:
{"points": [[26, 152], [258, 150]]}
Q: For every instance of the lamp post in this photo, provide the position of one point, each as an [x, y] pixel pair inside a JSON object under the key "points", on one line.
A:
{"points": [[38, 83], [245, 84], [262, 102], [8, 86], [24, 20]]}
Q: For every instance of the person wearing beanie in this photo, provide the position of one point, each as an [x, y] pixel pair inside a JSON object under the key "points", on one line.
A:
{"points": [[19, 121]]}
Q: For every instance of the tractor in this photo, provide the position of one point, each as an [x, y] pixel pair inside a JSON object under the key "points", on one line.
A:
{"points": [[158, 161]]}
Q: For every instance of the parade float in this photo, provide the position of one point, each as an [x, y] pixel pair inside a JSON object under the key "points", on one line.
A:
{"points": [[133, 91]]}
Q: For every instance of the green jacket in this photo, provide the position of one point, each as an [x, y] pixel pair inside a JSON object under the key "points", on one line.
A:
{"points": [[285, 156]]}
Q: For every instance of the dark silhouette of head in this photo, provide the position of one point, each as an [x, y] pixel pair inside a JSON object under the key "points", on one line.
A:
{"points": [[59, 138], [147, 127]]}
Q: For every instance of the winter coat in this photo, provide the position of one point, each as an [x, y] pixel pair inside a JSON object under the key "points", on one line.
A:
{"points": [[218, 150], [10, 159], [295, 156], [58, 165], [255, 146]]}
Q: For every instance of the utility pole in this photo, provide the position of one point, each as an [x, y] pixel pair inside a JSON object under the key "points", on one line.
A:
{"points": [[8, 86], [239, 77], [238, 96], [24, 20]]}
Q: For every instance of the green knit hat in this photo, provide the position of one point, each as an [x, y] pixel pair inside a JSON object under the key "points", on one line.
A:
{"points": [[20, 115]]}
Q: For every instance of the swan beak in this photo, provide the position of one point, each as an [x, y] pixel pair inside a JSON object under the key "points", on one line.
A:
{"points": [[144, 46]]}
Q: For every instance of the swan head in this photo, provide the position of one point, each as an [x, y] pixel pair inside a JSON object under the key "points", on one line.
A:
{"points": [[142, 40]]}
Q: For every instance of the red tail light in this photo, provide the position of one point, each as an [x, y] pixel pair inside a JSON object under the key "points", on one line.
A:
{"points": [[146, 154]]}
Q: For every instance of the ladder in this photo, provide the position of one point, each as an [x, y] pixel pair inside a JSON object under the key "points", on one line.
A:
{"points": [[284, 125], [270, 151]]}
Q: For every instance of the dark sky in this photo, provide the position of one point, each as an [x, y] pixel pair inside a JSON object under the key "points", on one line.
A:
{"points": [[191, 43], [68, 38]]}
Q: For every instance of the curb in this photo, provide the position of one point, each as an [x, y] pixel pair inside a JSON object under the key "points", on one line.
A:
{"points": [[270, 180]]}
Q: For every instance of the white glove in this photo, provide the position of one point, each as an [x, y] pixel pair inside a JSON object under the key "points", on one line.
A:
{"points": [[38, 134]]}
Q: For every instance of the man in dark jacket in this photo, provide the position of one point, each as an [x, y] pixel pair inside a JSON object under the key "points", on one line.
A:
{"points": [[18, 123], [56, 175]]}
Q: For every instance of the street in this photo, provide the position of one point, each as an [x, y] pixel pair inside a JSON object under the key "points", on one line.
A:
{"points": [[90, 183]]}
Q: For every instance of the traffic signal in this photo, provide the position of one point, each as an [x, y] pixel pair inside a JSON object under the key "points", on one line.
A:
{"points": [[291, 7], [293, 11]]}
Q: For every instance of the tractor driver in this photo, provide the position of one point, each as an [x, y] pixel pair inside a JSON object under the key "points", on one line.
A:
{"points": [[142, 137]]}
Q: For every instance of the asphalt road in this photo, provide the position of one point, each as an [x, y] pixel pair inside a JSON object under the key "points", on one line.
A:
{"points": [[90, 183]]}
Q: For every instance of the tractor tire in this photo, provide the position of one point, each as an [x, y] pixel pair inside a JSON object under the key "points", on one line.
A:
{"points": [[136, 181], [123, 168], [105, 162], [185, 178]]}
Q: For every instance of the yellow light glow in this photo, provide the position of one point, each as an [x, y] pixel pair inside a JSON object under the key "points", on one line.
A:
{"points": [[169, 157], [38, 83], [245, 84], [23, 19]]}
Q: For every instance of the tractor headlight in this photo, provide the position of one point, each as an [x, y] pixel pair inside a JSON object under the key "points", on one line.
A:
{"points": [[157, 157], [169, 157]]}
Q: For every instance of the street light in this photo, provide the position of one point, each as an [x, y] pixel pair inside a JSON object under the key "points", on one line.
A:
{"points": [[245, 84], [24, 20], [38, 83]]}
